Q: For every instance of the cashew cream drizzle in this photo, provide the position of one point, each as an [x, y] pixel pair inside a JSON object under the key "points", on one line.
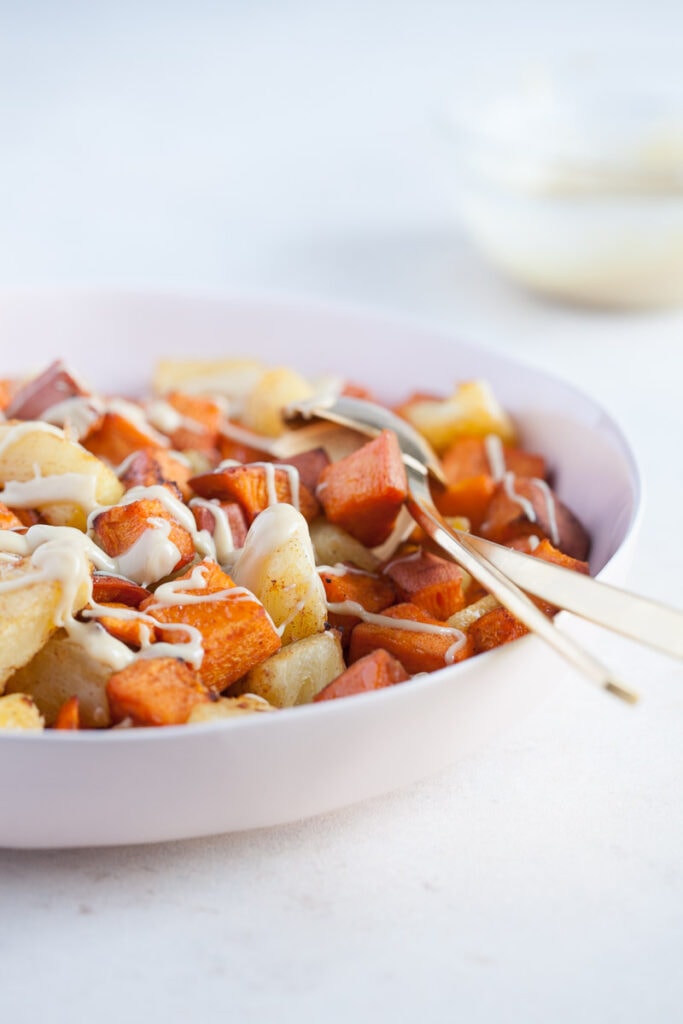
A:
{"points": [[354, 608], [176, 509], [58, 553], [524, 503], [73, 488], [152, 556], [221, 540], [75, 415], [136, 415], [495, 454], [166, 418], [550, 509], [65, 555], [190, 650], [527, 507]]}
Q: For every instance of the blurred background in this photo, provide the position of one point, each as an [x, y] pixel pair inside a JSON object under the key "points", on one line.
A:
{"points": [[286, 146]]}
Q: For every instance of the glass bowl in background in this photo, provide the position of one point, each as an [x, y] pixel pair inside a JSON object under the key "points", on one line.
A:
{"points": [[570, 179]]}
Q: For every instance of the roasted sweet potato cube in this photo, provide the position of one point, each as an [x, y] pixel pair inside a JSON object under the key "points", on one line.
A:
{"points": [[8, 389], [372, 592], [54, 385], [418, 649], [523, 506], [469, 498], [110, 589], [226, 516], [364, 492], [373, 672], [310, 466], [117, 437], [152, 466], [548, 553], [155, 691], [236, 631], [493, 629], [255, 487], [8, 519], [432, 583], [118, 528], [472, 456], [128, 627], [201, 422], [233, 443], [68, 716]]}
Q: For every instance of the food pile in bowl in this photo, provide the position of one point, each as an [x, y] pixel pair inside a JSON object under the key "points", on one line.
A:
{"points": [[163, 563]]}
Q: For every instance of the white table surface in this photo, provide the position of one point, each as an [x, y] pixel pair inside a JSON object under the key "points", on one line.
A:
{"points": [[291, 148]]}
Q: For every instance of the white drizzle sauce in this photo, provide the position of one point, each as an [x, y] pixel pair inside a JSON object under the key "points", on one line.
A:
{"points": [[221, 540], [76, 414], [495, 454], [524, 503], [74, 488], [152, 555], [135, 415], [166, 418], [375, 619], [550, 509]]}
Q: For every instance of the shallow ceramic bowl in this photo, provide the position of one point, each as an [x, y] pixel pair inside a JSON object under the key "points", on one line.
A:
{"points": [[142, 785]]}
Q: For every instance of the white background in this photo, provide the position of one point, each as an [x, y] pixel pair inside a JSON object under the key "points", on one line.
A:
{"points": [[295, 147]]}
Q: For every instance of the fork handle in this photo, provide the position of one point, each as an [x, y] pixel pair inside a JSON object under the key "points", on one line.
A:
{"points": [[649, 622]]}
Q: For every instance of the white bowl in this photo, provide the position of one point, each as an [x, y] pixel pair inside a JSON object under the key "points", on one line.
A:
{"points": [[570, 178], [157, 784]]}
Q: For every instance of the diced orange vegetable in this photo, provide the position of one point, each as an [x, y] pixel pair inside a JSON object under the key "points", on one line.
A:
{"points": [[255, 487], [8, 388], [54, 385], [432, 583], [237, 632], [8, 519], [364, 492], [548, 553], [203, 418], [108, 589], [151, 466], [116, 438], [373, 672], [130, 631], [469, 498], [68, 717], [417, 651], [372, 592], [234, 448], [310, 466], [205, 518], [117, 528], [469, 456], [493, 629], [522, 506], [27, 516], [155, 691]]}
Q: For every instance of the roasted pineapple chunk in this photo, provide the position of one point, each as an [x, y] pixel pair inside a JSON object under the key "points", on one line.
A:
{"points": [[19, 713], [278, 566], [296, 673], [44, 454], [472, 410]]}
